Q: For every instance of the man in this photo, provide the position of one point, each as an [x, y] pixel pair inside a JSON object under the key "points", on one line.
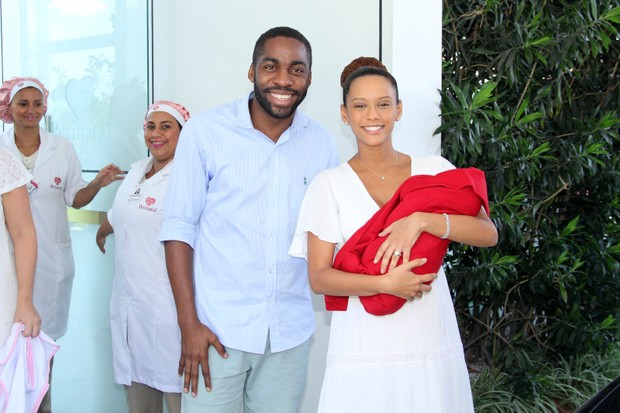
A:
{"points": [[240, 174]]}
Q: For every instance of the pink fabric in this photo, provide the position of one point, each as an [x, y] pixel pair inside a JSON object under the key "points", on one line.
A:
{"points": [[5, 94], [457, 191], [174, 109], [24, 370]]}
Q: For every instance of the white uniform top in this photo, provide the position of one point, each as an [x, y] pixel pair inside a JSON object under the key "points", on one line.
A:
{"points": [[146, 340], [57, 175]]}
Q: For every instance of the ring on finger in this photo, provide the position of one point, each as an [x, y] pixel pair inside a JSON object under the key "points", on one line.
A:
{"points": [[397, 253]]}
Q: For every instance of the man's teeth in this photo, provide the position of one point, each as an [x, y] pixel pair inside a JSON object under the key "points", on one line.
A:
{"points": [[281, 97]]}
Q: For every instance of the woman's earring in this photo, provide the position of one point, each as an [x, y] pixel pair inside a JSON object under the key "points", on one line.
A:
{"points": [[346, 123]]}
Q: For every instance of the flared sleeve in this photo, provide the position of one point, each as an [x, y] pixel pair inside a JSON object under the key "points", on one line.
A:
{"points": [[318, 214]]}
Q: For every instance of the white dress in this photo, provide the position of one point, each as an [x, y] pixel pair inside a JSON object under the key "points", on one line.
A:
{"points": [[146, 339], [409, 361], [12, 175]]}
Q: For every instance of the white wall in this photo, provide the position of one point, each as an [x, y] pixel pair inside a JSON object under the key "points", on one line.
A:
{"points": [[414, 47], [203, 62]]}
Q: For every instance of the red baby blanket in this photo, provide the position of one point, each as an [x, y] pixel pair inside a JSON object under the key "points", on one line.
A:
{"points": [[457, 191]]}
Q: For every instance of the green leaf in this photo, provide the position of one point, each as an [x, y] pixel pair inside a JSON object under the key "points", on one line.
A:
{"points": [[596, 149], [503, 260], [571, 227], [607, 322], [484, 95], [524, 104], [541, 149], [563, 293], [561, 258], [529, 118], [594, 9], [613, 15], [543, 41]]}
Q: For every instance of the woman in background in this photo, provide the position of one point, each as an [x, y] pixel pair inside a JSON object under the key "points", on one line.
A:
{"points": [[55, 185], [18, 250], [146, 340], [410, 360]]}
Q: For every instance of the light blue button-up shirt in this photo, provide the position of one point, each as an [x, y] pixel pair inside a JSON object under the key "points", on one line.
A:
{"points": [[234, 197]]}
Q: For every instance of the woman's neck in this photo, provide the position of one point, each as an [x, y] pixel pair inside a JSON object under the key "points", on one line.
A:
{"points": [[27, 140], [157, 166], [381, 158]]}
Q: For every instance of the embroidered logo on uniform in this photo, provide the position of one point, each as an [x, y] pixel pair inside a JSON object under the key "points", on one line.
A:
{"points": [[149, 201], [57, 181]]}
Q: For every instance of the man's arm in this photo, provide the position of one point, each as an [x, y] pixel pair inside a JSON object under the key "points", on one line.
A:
{"points": [[195, 337]]}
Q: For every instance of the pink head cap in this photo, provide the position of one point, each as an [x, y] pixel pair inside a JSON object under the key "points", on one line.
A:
{"points": [[174, 109], [9, 89]]}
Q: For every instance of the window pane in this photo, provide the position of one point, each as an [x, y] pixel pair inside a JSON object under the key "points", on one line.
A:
{"points": [[93, 57]]}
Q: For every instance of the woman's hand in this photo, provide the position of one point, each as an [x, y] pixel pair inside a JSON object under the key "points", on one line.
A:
{"points": [[104, 230], [26, 313], [100, 240], [403, 283], [401, 236], [107, 175]]}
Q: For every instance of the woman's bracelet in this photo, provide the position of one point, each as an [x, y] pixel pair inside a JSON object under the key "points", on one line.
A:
{"points": [[447, 234]]}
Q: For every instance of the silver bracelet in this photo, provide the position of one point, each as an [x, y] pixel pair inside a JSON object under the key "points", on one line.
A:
{"points": [[447, 234]]}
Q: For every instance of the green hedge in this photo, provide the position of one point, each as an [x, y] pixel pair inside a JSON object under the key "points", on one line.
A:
{"points": [[530, 95]]}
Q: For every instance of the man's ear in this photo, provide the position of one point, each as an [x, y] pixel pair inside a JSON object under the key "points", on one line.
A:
{"points": [[251, 73]]}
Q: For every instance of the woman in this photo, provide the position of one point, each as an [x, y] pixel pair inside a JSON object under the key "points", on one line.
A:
{"points": [[18, 250], [18, 256], [56, 183], [146, 340], [410, 360]]}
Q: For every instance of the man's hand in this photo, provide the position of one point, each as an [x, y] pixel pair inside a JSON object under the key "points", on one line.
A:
{"points": [[195, 342]]}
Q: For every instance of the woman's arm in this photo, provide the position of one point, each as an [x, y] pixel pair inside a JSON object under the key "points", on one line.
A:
{"points": [[104, 230], [105, 177], [22, 232], [324, 279], [478, 231]]}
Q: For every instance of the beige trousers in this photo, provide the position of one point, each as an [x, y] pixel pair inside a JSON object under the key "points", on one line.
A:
{"points": [[144, 399]]}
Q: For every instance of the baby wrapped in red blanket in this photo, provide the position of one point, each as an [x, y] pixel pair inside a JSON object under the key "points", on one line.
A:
{"points": [[461, 191]]}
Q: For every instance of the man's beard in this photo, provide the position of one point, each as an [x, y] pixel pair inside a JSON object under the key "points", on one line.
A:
{"points": [[275, 111]]}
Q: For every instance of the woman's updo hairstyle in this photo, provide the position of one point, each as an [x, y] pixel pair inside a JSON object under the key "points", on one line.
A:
{"points": [[360, 67]]}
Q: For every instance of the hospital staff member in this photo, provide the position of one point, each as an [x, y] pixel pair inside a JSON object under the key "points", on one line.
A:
{"points": [[146, 340], [56, 184]]}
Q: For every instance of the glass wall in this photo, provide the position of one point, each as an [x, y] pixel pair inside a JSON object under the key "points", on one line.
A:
{"points": [[93, 57]]}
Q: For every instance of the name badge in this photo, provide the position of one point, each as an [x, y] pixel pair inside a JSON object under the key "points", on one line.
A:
{"points": [[136, 194], [32, 186]]}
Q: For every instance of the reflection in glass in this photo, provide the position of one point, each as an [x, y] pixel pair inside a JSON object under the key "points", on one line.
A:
{"points": [[92, 56]]}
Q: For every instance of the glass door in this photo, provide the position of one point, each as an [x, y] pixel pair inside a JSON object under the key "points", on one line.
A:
{"points": [[93, 56]]}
